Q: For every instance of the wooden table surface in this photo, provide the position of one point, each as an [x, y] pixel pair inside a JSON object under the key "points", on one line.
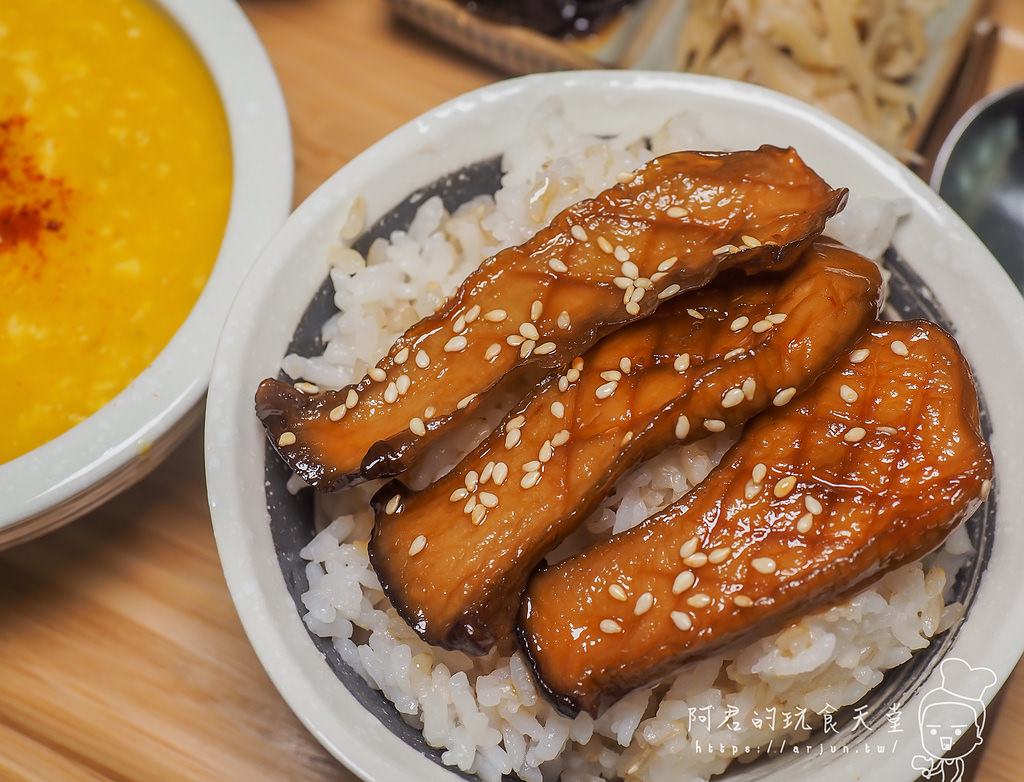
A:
{"points": [[121, 657]]}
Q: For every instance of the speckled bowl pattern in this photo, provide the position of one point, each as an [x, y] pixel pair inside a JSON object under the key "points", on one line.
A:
{"points": [[939, 271], [129, 436]]}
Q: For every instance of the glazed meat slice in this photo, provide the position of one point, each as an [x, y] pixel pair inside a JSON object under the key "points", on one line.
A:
{"points": [[870, 468], [454, 558], [602, 263]]}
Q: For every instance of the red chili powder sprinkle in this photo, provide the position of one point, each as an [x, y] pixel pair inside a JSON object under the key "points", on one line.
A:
{"points": [[30, 201]]}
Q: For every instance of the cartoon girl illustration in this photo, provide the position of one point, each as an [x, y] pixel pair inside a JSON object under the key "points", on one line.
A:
{"points": [[949, 712]]}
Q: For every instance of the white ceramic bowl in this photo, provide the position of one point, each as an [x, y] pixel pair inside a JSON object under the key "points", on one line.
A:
{"points": [[942, 271], [129, 436]]}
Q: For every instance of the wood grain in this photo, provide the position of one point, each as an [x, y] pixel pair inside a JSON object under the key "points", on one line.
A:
{"points": [[121, 657]]}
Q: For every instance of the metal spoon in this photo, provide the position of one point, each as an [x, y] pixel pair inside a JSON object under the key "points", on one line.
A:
{"points": [[979, 171]]}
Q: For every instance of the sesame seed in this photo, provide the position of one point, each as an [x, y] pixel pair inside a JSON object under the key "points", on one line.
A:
{"points": [[403, 383], [391, 393], [564, 321], [741, 322], [286, 439], [733, 353], [487, 499], [605, 245], [563, 384], [714, 425], [719, 554], [403, 355], [633, 308], [776, 317], [750, 490], [618, 592], [351, 399], [854, 434], [495, 316], [750, 241], [723, 250], [459, 494], [476, 516], [561, 437], [683, 581], [492, 350], [682, 427], [516, 422], [417, 545], [417, 427], [393, 504], [626, 438], [629, 269], [532, 466], [530, 479], [557, 409], [337, 413], [847, 394], [764, 565], [605, 390], [698, 559], [667, 264], [670, 291], [544, 348], [742, 601], [470, 504], [500, 473], [699, 600], [860, 355], [805, 522], [546, 451], [536, 309], [465, 401], [422, 359], [623, 283], [676, 211], [689, 547], [759, 472], [458, 327], [455, 344], [681, 619], [529, 331], [643, 604], [572, 375], [610, 626], [625, 365], [557, 266], [681, 363], [899, 347], [656, 277], [486, 472], [761, 326], [986, 488], [579, 232], [625, 177], [812, 504], [784, 487], [428, 411], [473, 313], [887, 430], [526, 348], [694, 314], [515, 340], [472, 480], [732, 397], [307, 388], [784, 396], [611, 374]]}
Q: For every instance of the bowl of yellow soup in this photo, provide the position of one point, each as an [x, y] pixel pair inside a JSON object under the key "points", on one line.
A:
{"points": [[145, 158]]}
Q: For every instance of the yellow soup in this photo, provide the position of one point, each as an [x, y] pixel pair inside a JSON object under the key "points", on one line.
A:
{"points": [[115, 183]]}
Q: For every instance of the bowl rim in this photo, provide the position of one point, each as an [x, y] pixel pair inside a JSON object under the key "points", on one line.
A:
{"points": [[235, 460], [72, 473]]}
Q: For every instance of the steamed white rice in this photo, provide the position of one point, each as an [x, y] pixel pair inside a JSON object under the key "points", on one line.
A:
{"points": [[486, 714]]}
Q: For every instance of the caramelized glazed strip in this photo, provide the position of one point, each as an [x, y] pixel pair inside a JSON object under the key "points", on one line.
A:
{"points": [[869, 469], [601, 263], [454, 558]]}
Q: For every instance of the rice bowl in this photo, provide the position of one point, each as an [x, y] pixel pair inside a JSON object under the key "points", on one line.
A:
{"points": [[290, 654]]}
